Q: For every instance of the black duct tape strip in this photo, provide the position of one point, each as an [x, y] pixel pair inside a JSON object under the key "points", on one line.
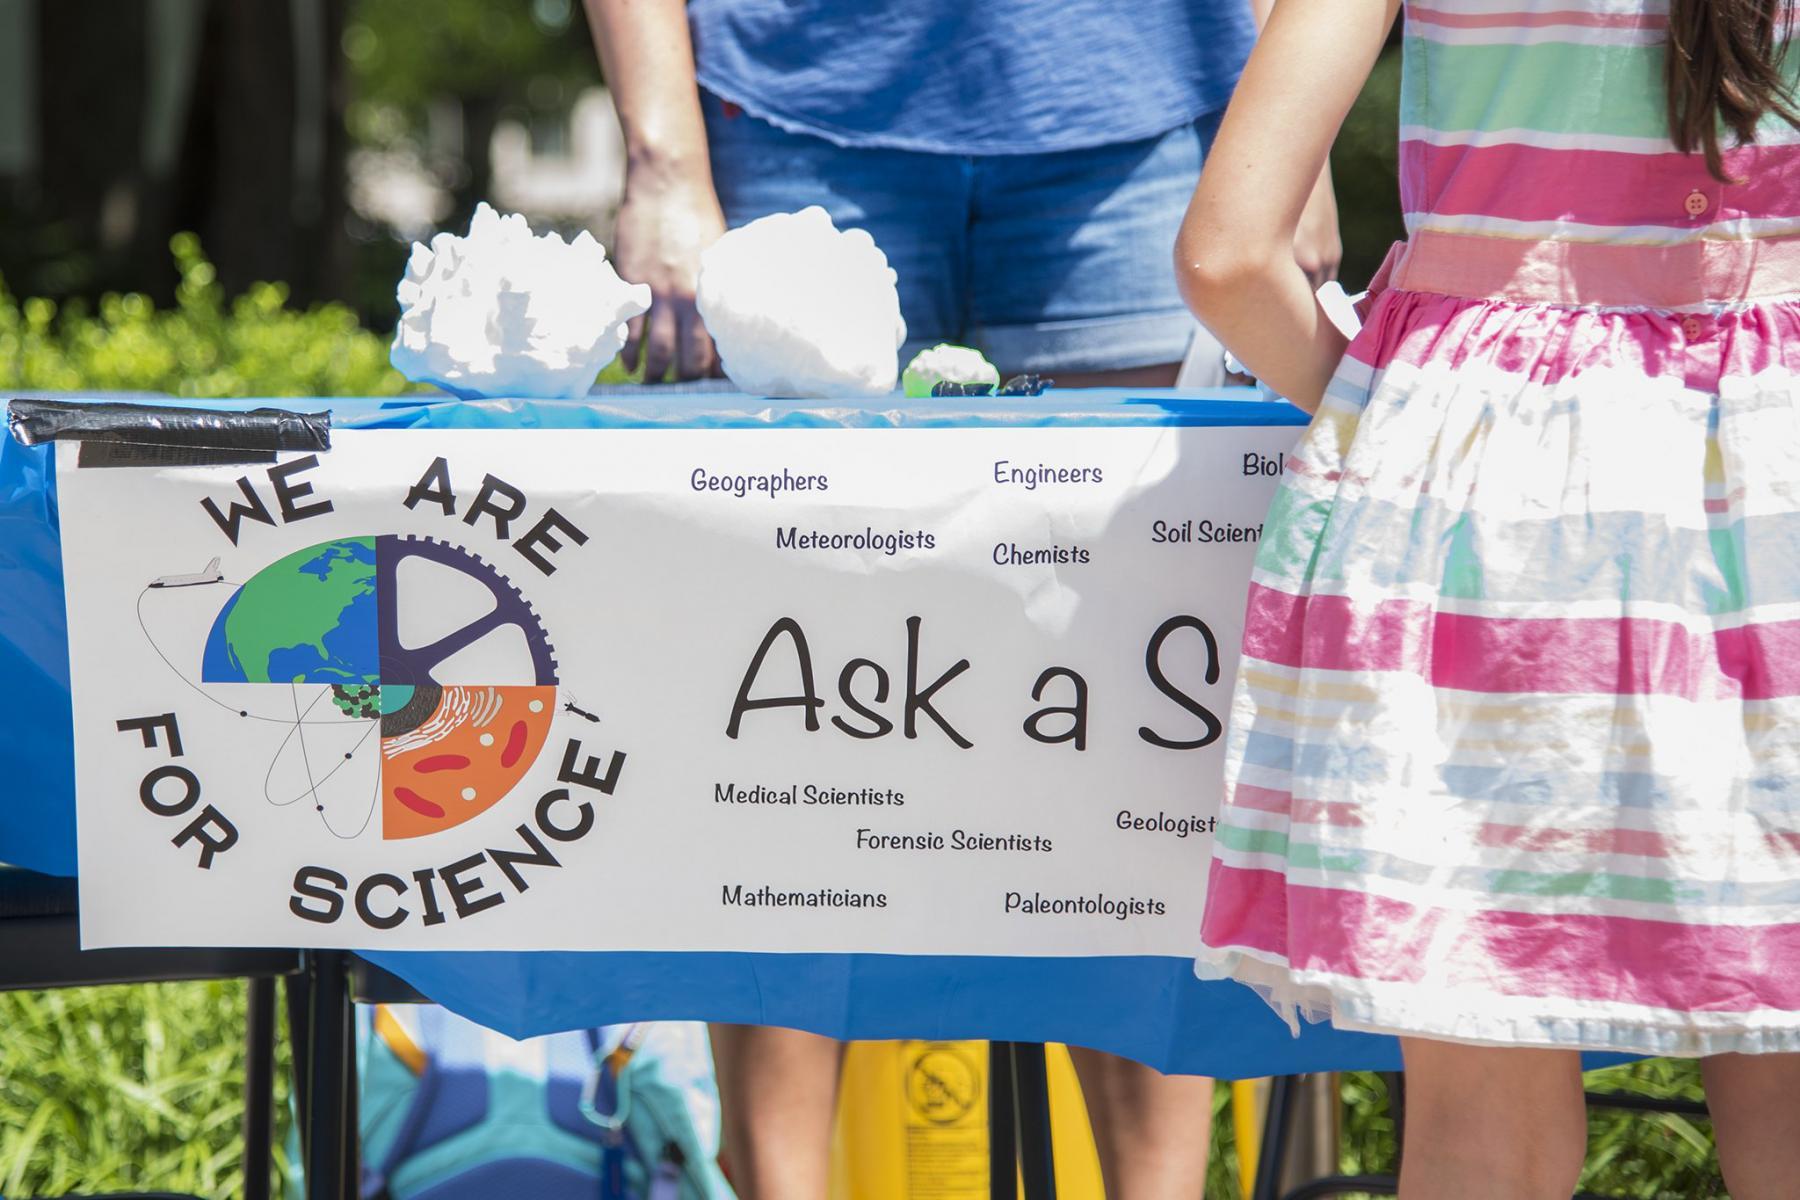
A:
{"points": [[147, 435]]}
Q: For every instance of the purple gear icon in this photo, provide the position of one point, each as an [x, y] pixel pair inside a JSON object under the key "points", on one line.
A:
{"points": [[414, 665]]}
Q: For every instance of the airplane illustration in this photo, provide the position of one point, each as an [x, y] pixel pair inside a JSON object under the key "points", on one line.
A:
{"points": [[208, 574]]}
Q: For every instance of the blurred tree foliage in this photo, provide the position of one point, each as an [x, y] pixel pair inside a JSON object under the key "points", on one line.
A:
{"points": [[405, 58], [1365, 169], [236, 120], [203, 346], [141, 119], [487, 59]]}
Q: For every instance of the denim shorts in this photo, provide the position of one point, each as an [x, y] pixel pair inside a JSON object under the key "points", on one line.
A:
{"points": [[1045, 262]]}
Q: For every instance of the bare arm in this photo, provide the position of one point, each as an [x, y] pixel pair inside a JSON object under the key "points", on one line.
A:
{"points": [[1234, 257], [1318, 245], [670, 212]]}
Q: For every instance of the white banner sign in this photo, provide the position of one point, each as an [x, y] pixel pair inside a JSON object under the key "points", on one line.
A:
{"points": [[889, 691]]}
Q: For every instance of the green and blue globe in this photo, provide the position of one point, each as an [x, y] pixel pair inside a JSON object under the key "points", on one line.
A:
{"points": [[306, 618]]}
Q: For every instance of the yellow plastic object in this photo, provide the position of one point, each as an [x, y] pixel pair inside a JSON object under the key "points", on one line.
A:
{"points": [[912, 1124], [1248, 1097]]}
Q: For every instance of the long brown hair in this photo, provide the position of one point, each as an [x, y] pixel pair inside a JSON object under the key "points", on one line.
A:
{"points": [[1725, 68]]}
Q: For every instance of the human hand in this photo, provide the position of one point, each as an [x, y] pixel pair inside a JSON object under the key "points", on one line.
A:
{"points": [[663, 226], [1318, 246]]}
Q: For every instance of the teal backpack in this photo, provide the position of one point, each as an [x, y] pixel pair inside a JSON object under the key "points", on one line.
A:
{"points": [[453, 1111]]}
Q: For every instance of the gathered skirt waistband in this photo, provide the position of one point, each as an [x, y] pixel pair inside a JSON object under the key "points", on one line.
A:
{"points": [[1689, 275]]}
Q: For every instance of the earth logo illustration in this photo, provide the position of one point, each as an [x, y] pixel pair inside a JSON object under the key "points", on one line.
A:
{"points": [[406, 676], [308, 618]]}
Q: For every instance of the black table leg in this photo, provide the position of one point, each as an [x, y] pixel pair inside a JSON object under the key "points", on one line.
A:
{"points": [[259, 1086], [352, 1126], [1396, 1088], [1277, 1127], [1003, 1145], [1031, 1086], [329, 1145], [1019, 1143], [297, 994]]}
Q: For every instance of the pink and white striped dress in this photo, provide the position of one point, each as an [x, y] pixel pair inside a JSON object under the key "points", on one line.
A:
{"points": [[1515, 751]]}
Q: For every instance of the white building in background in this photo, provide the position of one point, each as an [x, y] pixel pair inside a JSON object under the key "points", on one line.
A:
{"points": [[392, 188], [582, 180], [566, 169]]}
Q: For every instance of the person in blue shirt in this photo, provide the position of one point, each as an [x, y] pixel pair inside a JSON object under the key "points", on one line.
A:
{"points": [[1025, 165]]}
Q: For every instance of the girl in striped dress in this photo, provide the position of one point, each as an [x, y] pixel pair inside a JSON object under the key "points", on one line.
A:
{"points": [[1514, 760]]}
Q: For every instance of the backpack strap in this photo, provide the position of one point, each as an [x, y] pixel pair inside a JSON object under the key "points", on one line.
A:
{"points": [[444, 1055], [415, 1058]]}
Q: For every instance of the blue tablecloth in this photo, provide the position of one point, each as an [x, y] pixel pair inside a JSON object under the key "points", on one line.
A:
{"points": [[1150, 1009]]}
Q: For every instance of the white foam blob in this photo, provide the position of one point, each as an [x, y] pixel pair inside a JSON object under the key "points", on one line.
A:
{"points": [[505, 313], [798, 307], [948, 363]]}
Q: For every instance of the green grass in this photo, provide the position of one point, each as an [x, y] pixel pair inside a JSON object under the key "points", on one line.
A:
{"points": [[105, 1089], [143, 1087], [1645, 1155], [1635, 1156]]}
